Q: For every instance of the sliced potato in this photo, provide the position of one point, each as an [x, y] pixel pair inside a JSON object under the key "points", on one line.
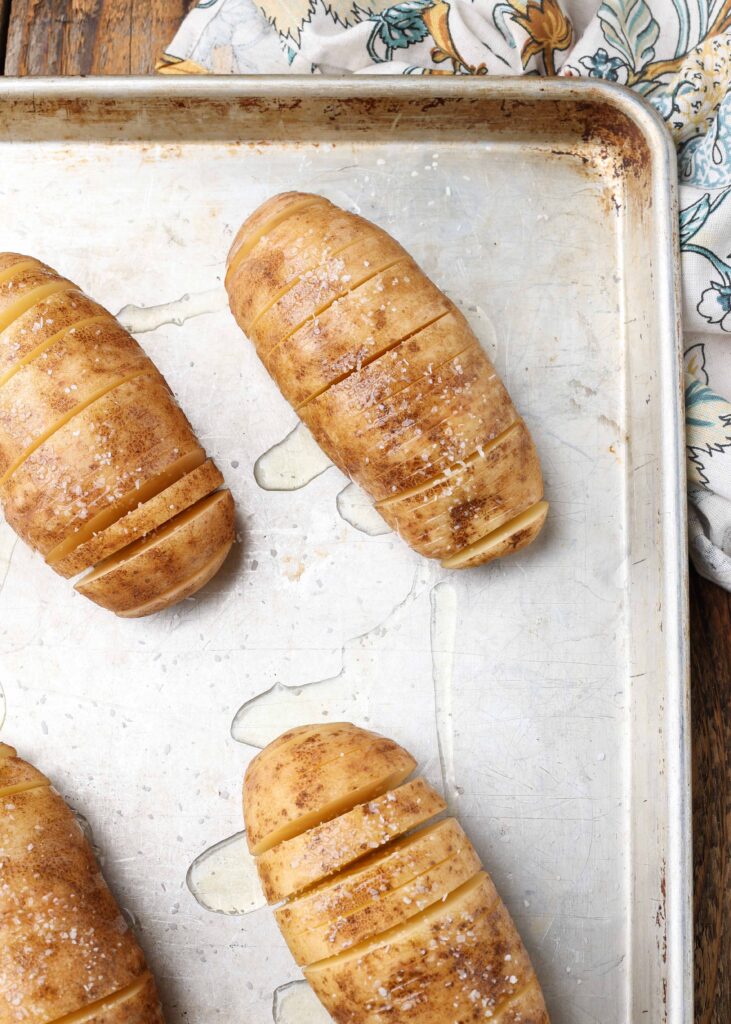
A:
{"points": [[264, 220], [443, 517], [148, 568], [42, 395], [43, 324], [316, 290], [354, 330], [295, 246], [318, 772], [131, 434], [118, 507], [460, 961], [322, 851], [181, 591], [136, 1004], [63, 942], [16, 775], [146, 517], [23, 290], [379, 893], [432, 427], [510, 537]]}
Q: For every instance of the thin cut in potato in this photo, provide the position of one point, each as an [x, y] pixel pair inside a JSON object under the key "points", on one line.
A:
{"points": [[90, 438], [321, 772], [390, 924], [66, 951], [378, 893], [387, 374], [460, 961], [137, 574], [322, 851], [143, 519]]}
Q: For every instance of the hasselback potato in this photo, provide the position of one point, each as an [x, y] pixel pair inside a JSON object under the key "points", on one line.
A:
{"points": [[389, 377], [66, 951], [98, 464], [389, 920]]}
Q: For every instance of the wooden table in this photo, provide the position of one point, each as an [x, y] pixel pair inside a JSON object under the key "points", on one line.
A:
{"points": [[123, 37]]}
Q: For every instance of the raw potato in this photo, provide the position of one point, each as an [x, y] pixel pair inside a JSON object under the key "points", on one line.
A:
{"points": [[91, 443], [309, 858], [186, 544], [378, 893], [460, 962], [413, 931], [388, 376], [143, 519], [314, 773], [65, 948]]}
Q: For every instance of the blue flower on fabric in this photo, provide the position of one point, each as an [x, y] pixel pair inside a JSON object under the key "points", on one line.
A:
{"points": [[715, 305], [601, 65], [399, 27]]}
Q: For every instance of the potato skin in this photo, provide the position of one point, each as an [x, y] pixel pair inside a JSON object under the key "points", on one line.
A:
{"points": [[86, 424], [308, 773], [413, 932], [337, 327], [379, 893], [166, 558], [451, 965], [143, 519], [322, 851], [63, 942]]}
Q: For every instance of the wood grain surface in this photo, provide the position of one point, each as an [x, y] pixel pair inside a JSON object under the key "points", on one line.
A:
{"points": [[72, 37], [88, 37]]}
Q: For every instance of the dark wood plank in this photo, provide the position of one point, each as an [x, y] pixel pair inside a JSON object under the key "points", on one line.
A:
{"points": [[711, 737], [4, 20], [89, 37]]}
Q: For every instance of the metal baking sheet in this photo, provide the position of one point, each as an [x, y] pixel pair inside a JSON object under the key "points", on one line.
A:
{"points": [[547, 693]]}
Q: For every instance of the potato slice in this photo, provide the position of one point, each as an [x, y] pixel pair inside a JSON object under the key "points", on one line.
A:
{"points": [[24, 289], [79, 367], [265, 219], [42, 325], [16, 775], [131, 434], [318, 772], [143, 519], [296, 246], [435, 424], [63, 942], [316, 291], [512, 536], [461, 961], [156, 563], [136, 1004], [443, 517], [181, 590], [379, 893], [309, 858], [137, 495], [353, 331]]}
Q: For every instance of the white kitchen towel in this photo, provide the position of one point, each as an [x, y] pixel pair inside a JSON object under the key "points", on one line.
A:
{"points": [[676, 53]]}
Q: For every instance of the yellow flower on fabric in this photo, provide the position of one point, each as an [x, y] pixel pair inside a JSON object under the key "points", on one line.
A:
{"points": [[548, 30]]}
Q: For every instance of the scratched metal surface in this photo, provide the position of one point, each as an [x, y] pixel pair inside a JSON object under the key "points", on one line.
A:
{"points": [[546, 693]]}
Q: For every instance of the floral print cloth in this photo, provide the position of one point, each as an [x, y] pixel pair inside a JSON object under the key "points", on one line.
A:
{"points": [[676, 53]]}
